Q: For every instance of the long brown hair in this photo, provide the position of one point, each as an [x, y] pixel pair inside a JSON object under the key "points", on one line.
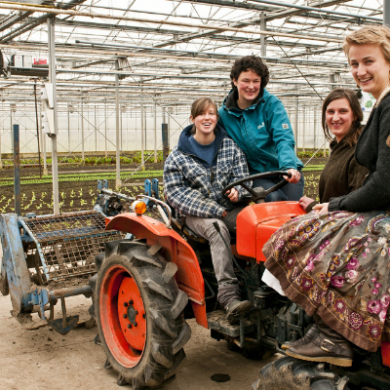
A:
{"points": [[198, 106], [356, 128]]}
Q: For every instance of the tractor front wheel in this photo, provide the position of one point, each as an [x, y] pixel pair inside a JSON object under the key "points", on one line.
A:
{"points": [[139, 315]]}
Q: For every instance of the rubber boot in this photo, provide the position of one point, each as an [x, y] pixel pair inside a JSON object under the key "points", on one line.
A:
{"points": [[327, 347]]}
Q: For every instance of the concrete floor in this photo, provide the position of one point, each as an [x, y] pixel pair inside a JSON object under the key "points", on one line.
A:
{"points": [[45, 360]]}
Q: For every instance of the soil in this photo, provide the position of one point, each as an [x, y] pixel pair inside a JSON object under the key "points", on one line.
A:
{"points": [[74, 196], [81, 195], [42, 359]]}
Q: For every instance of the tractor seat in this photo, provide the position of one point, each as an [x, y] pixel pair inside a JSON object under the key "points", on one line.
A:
{"points": [[181, 228]]}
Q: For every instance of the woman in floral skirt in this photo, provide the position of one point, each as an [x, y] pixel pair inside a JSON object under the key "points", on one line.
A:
{"points": [[335, 263]]}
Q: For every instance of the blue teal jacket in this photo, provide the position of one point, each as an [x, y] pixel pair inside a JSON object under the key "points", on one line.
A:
{"points": [[263, 131]]}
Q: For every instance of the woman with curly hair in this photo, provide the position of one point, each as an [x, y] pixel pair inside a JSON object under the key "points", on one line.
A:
{"points": [[335, 263], [257, 121]]}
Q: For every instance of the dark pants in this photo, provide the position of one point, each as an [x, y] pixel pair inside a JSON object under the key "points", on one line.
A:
{"points": [[289, 192]]}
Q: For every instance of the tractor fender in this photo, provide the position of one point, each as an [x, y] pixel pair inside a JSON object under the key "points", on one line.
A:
{"points": [[174, 249]]}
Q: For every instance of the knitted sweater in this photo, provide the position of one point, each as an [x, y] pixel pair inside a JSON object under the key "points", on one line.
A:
{"points": [[341, 174], [373, 152]]}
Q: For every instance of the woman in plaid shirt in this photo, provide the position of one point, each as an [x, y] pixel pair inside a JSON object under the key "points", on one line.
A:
{"points": [[203, 163]]}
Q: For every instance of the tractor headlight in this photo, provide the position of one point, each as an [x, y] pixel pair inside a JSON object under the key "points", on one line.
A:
{"points": [[138, 207]]}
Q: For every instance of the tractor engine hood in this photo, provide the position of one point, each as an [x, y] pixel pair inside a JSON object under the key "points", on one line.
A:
{"points": [[256, 224]]}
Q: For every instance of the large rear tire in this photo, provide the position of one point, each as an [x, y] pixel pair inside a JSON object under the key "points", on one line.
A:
{"points": [[138, 309], [294, 374]]}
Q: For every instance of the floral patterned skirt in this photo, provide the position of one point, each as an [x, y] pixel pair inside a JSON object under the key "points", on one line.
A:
{"points": [[337, 265]]}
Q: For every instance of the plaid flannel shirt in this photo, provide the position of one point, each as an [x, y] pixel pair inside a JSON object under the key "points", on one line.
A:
{"points": [[195, 190]]}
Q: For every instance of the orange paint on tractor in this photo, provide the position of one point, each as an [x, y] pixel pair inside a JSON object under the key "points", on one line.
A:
{"points": [[260, 221], [175, 249], [385, 349]]}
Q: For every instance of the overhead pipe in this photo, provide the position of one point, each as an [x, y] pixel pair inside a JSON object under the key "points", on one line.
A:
{"points": [[55, 11], [313, 9], [142, 55], [199, 54]]}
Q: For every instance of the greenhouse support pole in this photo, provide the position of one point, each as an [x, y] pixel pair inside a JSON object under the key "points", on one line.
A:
{"points": [[11, 126], [118, 183], [165, 139], [121, 123], [155, 132], [145, 128], [303, 129], [1, 130], [82, 132], [68, 130], [142, 137], [53, 136], [296, 125], [45, 170], [169, 122], [315, 129], [16, 148], [386, 13], [96, 131], [263, 26], [105, 130]]}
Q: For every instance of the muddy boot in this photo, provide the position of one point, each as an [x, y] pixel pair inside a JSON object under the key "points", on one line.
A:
{"points": [[307, 338], [229, 298], [236, 308], [327, 347]]}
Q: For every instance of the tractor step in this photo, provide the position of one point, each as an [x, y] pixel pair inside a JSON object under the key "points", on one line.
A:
{"points": [[217, 321]]}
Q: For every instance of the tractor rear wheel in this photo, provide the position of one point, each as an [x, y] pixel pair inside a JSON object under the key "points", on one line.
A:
{"points": [[294, 374], [139, 313]]}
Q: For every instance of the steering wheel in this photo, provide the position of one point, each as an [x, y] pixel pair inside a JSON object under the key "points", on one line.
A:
{"points": [[258, 194]]}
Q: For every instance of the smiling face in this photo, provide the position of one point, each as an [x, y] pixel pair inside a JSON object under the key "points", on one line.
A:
{"points": [[248, 86], [339, 118], [205, 123], [369, 68]]}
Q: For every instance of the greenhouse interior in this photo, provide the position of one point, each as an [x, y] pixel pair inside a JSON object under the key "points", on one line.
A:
{"points": [[118, 70]]}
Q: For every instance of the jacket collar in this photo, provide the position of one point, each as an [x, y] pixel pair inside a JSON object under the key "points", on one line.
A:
{"points": [[184, 145], [382, 96], [230, 102]]}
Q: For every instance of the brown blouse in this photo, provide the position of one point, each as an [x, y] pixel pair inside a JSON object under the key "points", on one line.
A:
{"points": [[341, 174]]}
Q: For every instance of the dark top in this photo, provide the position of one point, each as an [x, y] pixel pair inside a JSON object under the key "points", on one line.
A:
{"points": [[373, 152], [341, 174], [205, 152]]}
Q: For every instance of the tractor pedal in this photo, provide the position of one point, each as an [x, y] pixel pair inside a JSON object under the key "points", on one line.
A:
{"points": [[217, 321]]}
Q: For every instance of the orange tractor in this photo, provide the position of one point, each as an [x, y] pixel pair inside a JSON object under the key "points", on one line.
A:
{"points": [[161, 274]]}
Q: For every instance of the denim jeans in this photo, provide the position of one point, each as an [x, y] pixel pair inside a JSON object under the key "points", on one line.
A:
{"points": [[290, 191]]}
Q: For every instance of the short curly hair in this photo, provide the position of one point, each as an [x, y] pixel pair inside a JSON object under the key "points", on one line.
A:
{"points": [[253, 63]]}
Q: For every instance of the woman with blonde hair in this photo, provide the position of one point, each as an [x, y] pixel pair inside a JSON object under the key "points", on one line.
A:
{"points": [[336, 263]]}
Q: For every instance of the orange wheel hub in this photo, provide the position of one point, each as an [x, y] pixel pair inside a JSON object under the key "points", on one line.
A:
{"points": [[122, 316]]}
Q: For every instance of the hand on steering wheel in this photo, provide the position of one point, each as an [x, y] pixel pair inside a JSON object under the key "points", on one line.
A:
{"points": [[295, 176], [232, 194], [259, 195]]}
